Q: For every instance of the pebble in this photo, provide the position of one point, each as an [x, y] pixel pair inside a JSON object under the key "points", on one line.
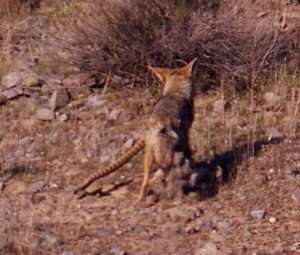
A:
{"points": [[219, 106], [208, 249], [117, 251], [296, 196], [258, 214], [44, 114]]}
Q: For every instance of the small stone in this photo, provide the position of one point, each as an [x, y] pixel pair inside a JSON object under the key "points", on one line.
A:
{"points": [[296, 196], [44, 114], [120, 192], [114, 212], [63, 117], [15, 187], [12, 93], [271, 171], [129, 143], [178, 214], [79, 79], [68, 253], [59, 99], [114, 114], [258, 214], [37, 186], [31, 81], [272, 220], [12, 79], [117, 251], [271, 99], [274, 134], [208, 249], [96, 101], [219, 106], [223, 226], [29, 123]]}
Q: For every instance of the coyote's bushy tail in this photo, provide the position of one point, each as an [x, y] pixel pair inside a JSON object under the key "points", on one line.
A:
{"points": [[114, 165]]}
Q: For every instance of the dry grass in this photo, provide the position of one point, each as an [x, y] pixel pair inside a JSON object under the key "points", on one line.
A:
{"points": [[231, 41]]}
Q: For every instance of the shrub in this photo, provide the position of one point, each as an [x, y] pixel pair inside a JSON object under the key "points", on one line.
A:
{"points": [[231, 42]]}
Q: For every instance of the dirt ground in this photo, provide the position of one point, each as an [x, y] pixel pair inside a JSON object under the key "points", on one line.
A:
{"points": [[253, 208]]}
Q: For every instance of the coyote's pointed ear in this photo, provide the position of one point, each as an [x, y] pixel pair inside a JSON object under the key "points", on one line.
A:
{"points": [[161, 73], [188, 69]]}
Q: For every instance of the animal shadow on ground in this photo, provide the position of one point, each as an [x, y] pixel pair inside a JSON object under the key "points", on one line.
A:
{"points": [[207, 176]]}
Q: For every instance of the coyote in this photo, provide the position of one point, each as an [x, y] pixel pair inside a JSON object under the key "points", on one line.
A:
{"points": [[167, 126]]}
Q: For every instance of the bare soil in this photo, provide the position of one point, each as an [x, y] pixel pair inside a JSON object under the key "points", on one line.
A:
{"points": [[252, 207]]}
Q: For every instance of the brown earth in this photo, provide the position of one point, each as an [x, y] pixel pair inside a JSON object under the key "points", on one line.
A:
{"points": [[253, 208]]}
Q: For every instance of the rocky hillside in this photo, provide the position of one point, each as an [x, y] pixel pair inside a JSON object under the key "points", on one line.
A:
{"points": [[75, 94]]}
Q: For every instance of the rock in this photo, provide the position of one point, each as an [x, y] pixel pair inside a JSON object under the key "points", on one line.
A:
{"points": [[48, 241], [271, 99], [37, 186], [28, 124], [59, 99], [63, 117], [44, 114], [179, 214], [79, 79], [117, 251], [129, 143], [291, 170], [208, 249], [15, 187], [258, 214], [219, 106], [296, 196], [223, 226], [31, 80], [272, 220], [274, 134], [68, 253], [12, 93], [114, 114], [96, 101], [12, 79], [120, 192]]}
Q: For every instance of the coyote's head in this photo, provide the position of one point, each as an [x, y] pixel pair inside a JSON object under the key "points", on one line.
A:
{"points": [[175, 81]]}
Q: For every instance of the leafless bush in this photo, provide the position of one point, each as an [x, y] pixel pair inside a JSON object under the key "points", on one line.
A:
{"points": [[15, 7], [124, 36]]}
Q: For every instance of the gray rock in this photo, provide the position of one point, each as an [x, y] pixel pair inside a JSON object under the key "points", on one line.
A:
{"points": [[258, 214], [37, 186], [296, 196], [219, 105], [274, 134], [63, 117], [271, 99], [44, 114], [59, 99], [12, 93], [96, 101], [114, 114], [31, 80], [12, 79], [79, 79], [179, 214], [117, 251], [208, 249]]}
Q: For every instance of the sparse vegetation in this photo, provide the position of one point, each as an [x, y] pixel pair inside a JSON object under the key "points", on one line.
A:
{"points": [[244, 137]]}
